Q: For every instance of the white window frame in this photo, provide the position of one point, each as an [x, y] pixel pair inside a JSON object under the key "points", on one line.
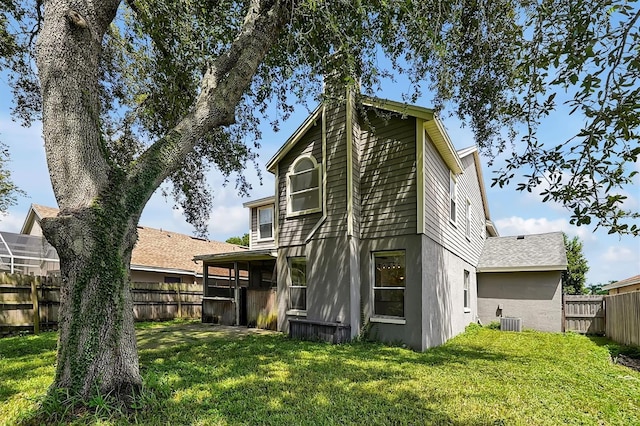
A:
{"points": [[292, 310], [391, 319], [258, 210], [318, 169], [467, 291], [467, 229], [453, 193]]}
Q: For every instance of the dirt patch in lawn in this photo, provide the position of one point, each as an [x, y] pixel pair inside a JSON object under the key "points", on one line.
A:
{"points": [[627, 361], [169, 335]]}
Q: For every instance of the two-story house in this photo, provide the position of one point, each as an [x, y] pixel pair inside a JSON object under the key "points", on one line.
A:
{"points": [[377, 224]]}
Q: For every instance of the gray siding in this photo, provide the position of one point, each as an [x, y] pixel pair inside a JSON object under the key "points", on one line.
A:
{"points": [[255, 244], [436, 206], [294, 230], [357, 164], [388, 177], [536, 297], [336, 174]]}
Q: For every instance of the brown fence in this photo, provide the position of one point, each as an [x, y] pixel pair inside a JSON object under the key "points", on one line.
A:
{"points": [[623, 318], [584, 314], [32, 302]]}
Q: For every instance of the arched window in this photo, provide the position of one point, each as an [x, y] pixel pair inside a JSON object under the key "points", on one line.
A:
{"points": [[303, 187]]}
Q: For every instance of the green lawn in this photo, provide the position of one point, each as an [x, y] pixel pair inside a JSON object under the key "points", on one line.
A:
{"points": [[201, 375]]}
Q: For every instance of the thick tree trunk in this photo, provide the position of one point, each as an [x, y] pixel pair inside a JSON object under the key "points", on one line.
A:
{"points": [[97, 344]]}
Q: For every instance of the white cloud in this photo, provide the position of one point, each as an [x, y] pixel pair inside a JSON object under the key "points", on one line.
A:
{"points": [[515, 225], [11, 221], [619, 254]]}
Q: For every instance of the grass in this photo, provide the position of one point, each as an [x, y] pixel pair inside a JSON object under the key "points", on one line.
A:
{"points": [[205, 375]]}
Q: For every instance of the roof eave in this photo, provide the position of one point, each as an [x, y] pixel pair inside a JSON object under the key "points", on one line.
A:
{"points": [[531, 268], [260, 202], [294, 138], [438, 135]]}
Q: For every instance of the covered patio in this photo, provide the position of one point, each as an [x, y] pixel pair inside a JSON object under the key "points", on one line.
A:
{"points": [[247, 293]]}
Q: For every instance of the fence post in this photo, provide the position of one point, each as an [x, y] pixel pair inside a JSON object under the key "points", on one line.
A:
{"points": [[34, 300], [179, 301]]}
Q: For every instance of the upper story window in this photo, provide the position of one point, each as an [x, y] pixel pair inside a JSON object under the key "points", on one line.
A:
{"points": [[452, 198], [467, 218], [303, 187], [265, 223]]}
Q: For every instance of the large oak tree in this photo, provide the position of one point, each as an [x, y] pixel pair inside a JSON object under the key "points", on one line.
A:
{"points": [[133, 94]]}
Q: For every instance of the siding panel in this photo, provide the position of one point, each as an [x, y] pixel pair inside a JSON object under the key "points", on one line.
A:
{"points": [[388, 177]]}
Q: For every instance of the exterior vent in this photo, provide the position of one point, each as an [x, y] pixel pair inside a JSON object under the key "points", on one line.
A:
{"points": [[520, 237], [511, 324]]}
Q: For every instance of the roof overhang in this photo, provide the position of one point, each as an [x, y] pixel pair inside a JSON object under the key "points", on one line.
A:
{"points": [[438, 135], [491, 228], [622, 283], [294, 138], [535, 268], [145, 268], [260, 202], [238, 256]]}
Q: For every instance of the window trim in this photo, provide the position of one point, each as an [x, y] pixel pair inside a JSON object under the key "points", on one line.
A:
{"points": [[317, 167], [381, 318], [453, 198], [258, 210]]}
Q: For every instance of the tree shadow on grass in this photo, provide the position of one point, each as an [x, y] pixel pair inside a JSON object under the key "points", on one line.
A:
{"points": [[271, 379]]}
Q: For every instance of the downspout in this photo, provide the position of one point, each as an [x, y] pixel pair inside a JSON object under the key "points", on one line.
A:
{"points": [[323, 218]]}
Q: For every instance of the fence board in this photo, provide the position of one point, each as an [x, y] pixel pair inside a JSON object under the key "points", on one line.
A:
{"points": [[623, 318], [152, 301], [584, 314]]}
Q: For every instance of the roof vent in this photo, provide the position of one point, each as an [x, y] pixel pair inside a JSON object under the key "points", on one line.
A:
{"points": [[520, 237]]}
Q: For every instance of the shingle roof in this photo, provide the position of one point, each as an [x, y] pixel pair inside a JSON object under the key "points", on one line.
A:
{"points": [[538, 252], [623, 283], [160, 249]]}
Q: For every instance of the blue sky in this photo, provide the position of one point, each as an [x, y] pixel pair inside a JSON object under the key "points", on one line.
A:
{"points": [[610, 257]]}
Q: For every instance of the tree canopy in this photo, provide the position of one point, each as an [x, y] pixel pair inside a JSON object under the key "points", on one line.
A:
{"points": [[574, 278], [241, 241], [498, 66]]}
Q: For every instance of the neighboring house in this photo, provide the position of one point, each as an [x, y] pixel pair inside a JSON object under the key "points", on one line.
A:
{"points": [[521, 276], [624, 286], [158, 256]]}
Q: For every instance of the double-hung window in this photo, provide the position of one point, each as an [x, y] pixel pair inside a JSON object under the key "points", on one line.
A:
{"points": [[467, 285], [298, 287], [389, 283], [452, 198], [265, 223], [303, 187]]}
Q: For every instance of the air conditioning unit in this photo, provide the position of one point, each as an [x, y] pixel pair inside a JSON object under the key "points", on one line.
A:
{"points": [[510, 324]]}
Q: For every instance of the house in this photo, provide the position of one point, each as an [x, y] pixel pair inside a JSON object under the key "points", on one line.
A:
{"points": [[624, 286], [158, 256], [377, 225], [521, 276]]}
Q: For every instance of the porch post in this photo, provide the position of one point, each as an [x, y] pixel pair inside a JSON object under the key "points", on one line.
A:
{"points": [[236, 293]]}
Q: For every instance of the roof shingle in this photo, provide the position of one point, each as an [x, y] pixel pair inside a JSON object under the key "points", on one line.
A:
{"points": [[537, 252]]}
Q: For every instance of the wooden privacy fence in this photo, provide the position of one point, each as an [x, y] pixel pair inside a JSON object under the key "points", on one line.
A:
{"points": [[32, 302], [584, 313], [623, 318]]}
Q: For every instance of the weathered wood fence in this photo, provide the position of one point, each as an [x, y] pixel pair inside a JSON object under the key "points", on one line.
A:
{"points": [[623, 318], [584, 313], [31, 303]]}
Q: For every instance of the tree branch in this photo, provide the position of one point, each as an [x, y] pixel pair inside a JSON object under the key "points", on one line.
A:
{"points": [[222, 88]]}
